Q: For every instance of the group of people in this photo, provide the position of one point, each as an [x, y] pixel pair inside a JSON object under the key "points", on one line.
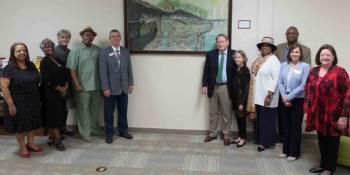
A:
{"points": [[66, 78], [281, 89]]}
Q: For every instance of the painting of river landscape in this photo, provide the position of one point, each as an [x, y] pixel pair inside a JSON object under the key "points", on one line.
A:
{"points": [[176, 26]]}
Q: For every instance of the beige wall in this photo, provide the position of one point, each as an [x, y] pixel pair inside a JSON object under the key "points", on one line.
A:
{"points": [[167, 92]]}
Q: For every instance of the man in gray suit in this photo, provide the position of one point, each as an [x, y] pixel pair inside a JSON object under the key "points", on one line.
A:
{"points": [[116, 82]]}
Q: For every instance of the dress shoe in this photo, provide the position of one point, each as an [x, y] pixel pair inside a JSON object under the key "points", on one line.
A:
{"points": [[241, 145], [38, 150], [261, 148], [109, 140], [316, 170], [236, 141], [24, 155], [282, 155], [291, 159], [226, 142], [210, 138], [127, 136]]}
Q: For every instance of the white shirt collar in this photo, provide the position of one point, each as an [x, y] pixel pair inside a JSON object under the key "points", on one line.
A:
{"points": [[114, 48]]}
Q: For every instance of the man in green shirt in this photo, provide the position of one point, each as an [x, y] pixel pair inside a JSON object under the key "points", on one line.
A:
{"points": [[83, 64]]}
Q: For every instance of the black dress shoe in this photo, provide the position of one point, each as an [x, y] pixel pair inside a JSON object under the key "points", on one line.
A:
{"points": [[127, 136], [316, 170], [260, 149], [109, 140]]}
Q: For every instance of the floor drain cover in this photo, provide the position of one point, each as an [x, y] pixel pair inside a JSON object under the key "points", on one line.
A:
{"points": [[101, 169]]}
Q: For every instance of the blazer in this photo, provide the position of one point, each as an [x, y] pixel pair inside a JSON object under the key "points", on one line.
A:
{"points": [[281, 53], [211, 69], [324, 100], [114, 77], [266, 80], [297, 80], [241, 87]]}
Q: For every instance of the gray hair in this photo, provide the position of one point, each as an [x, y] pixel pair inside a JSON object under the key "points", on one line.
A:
{"points": [[63, 32], [46, 42], [222, 35]]}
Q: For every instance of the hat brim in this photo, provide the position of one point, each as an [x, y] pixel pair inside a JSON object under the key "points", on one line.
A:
{"points": [[91, 31], [272, 46]]}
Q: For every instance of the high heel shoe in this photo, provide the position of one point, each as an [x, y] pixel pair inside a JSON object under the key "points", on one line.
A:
{"points": [[236, 141], [261, 148], [241, 145], [59, 145]]}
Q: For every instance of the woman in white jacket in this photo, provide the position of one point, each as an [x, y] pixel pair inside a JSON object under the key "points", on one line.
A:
{"points": [[266, 69]]}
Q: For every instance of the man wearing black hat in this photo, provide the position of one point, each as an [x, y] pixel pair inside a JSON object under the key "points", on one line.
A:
{"points": [[83, 64]]}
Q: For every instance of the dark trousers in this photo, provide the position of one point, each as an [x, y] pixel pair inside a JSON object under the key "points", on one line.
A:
{"points": [[241, 123], [109, 106], [329, 146], [266, 125], [292, 121], [280, 118]]}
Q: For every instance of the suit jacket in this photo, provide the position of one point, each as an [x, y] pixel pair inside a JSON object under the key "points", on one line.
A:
{"points": [[297, 80], [281, 53], [114, 77], [211, 69]]}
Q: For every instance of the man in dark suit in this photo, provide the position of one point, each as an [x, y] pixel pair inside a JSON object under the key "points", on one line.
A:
{"points": [[217, 83], [116, 82]]}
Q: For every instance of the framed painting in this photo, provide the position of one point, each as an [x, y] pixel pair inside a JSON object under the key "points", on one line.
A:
{"points": [[175, 26]]}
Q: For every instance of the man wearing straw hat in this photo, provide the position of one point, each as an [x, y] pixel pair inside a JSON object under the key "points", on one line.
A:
{"points": [[83, 64]]}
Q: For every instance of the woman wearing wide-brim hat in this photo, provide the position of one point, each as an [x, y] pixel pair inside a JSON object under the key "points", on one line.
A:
{"points": [[264, 76]]}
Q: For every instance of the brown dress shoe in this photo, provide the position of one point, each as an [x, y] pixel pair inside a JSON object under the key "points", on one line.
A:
{"points": [[227, 141], [210, 138]]}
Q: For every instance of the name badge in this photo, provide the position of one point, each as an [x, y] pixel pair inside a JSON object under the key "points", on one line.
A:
{"points": [[297, 71], [111, 54]]}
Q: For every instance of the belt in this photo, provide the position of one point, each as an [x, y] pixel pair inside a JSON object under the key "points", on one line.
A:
{"points": [[220, 84]]}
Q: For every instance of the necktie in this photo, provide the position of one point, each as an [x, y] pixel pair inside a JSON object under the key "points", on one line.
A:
{"points": [[118, 57], [221, 68]]}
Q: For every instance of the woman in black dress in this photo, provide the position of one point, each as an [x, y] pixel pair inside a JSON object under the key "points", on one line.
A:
{"points": [[54, 87], [20, 86], [241, 84]]}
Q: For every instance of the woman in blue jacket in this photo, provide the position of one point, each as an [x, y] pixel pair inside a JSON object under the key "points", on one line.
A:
{"points": [[291, 84]]}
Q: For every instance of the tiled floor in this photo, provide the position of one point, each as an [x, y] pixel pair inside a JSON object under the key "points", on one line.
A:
{"points": [[156, 154]]}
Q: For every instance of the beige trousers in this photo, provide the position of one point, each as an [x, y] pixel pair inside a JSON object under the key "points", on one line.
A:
{"points": [[220, 108]]}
